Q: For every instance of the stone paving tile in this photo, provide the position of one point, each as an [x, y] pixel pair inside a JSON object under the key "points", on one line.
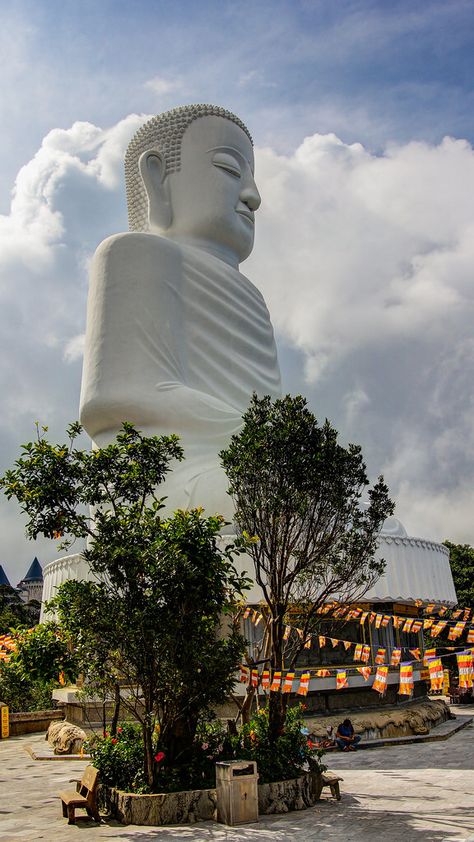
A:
{"points": [[406, 793]]}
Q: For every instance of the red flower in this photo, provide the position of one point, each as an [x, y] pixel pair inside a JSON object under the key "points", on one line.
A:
{"points": [[119, 730], [114, 740], [106, 733], [159, 757]]}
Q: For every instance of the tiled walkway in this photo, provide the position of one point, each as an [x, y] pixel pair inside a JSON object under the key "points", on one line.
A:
{"points": [[405, 793]]}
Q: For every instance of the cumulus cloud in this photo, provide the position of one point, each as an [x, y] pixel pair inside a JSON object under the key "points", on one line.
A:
{"points": [[367, 265], [365, 262], [65, 200]]}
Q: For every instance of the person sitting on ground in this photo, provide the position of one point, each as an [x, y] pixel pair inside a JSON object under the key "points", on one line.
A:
{"points": [[346, 740]]}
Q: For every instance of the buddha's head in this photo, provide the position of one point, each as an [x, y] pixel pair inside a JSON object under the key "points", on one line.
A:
{"points": [[189, 177]]}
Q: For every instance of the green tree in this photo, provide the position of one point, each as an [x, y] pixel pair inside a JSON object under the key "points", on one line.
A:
{"points": [[43, 653], [14, 612], [461, 560], [153, 619], [297, 492]]}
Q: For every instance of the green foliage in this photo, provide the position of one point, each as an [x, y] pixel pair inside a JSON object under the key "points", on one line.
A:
{"points": [[461, 559], [56, 484], [119, 758], [277, 759], [21, 693], [297, 491], [43, 653], [153, 618], [14, 612]]}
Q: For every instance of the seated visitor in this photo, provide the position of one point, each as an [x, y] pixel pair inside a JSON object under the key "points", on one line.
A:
{"points": [[346, 740]]}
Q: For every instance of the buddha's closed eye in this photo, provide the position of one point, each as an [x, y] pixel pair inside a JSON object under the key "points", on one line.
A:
{"points": [[227, 163]]}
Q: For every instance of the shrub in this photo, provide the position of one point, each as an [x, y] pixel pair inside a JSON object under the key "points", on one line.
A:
{"points": [[21, 693], [280, 759], [119, 759]]}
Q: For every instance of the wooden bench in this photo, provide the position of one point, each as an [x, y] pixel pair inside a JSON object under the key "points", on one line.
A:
{"points": [[83, 796], [332, 781]]}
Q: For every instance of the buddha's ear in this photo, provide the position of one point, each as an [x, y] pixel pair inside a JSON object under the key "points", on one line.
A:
{"points": [[153, 172]]}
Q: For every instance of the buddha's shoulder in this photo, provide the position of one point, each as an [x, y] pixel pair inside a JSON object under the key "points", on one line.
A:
{"points": [[137, 248]]}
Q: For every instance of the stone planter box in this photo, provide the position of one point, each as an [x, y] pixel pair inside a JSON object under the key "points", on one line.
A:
{"points": [[32, 721], [200, 805]]}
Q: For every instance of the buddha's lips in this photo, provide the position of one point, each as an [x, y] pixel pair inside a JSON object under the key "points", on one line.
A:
{"points": [[248, 215]]}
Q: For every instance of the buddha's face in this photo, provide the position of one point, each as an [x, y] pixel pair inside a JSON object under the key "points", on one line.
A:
{"points": [[213, 197]]}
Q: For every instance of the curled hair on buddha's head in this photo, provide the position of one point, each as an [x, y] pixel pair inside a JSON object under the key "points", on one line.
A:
{"points": [[164, 133]]}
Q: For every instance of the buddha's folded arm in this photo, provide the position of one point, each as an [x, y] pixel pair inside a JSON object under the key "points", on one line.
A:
{"points": [[162, 347]]}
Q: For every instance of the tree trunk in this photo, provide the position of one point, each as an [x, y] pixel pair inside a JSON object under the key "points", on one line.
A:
{"points": [[115, 718], [148, 759]]}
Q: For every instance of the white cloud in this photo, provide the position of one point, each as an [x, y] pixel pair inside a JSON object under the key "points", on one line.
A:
{"points": [[365, 263], [160, 85]]}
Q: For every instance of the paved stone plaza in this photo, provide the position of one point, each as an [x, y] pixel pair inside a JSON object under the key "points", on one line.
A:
{"points": [[405, 793]]}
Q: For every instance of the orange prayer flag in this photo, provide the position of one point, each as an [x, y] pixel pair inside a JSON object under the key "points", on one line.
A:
{"points": [[465, 669], [438, 628], [304, 684], [246, 612], [435, 669], [417, 626], [365, 671], [254, 678], [378, 620], [416, 654], [395, 658], [341, 680], [347, 644], [322, 641], [386, 621], [380, 680], [308, 642], [456, 614], [456, 631], [380, 656], [286, 633], [334, 641], [265, 679], [363, 617], [365, 653], [276, 683], [407, 626], [470, 635], [397, 622], [244, 674], [358, 652], [406, 680], [323, 673], [288, 682]]}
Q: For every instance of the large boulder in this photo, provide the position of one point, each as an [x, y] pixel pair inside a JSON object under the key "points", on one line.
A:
{"points": [[65, 738]]}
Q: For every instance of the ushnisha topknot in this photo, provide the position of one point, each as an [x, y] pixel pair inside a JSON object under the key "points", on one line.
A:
{"points": [[164, 132]]}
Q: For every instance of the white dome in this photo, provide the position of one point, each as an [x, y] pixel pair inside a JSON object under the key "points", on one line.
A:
{"points": [[393, 527]]}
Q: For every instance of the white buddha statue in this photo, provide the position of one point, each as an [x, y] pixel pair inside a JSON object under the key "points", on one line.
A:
{"points": [[177, 338]]}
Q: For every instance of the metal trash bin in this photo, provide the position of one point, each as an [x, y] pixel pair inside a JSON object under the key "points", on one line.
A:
{"points": [[237, 793]]}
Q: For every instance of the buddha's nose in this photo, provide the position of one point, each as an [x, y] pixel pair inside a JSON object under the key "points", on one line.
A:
{"points": [[250, 196]]}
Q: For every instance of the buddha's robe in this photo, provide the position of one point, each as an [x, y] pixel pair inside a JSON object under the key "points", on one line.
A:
{"points": [[176, 342]]}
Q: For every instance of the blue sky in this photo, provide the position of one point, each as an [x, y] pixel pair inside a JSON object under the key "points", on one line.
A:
{"points": [[373, 213]]}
